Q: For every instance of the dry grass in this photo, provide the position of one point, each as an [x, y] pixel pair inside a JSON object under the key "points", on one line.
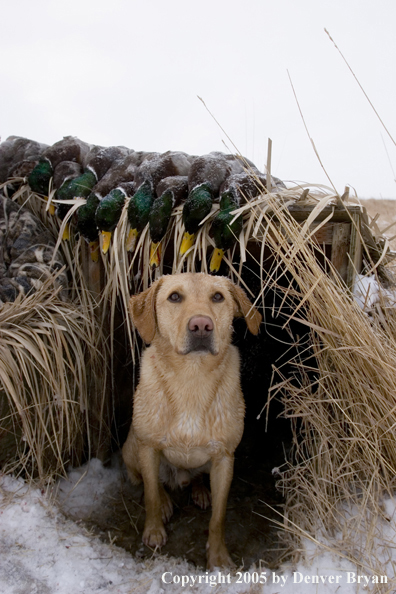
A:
{"points": [[46, 348], [386, 220], [342, 410], [53, 367]]}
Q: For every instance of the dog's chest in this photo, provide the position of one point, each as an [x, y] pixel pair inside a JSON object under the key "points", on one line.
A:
{"points": [[191, 441], [187, 426], [200, 434], [195, 414], [191, 425]]}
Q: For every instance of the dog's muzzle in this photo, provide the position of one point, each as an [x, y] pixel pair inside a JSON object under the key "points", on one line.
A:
{"points": [[200, 335]]}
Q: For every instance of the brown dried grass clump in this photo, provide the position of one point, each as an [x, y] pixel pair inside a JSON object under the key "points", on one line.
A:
{"points": [[46, 352], [343, 408], [343, 413], [53, 369]]}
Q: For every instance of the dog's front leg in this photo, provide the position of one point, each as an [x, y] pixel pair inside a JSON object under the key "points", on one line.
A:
{"points": [[220, 481], [154, 532]]}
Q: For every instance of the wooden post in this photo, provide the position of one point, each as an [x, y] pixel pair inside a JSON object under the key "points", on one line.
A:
{"points": [[355, 251], [339, 248]]}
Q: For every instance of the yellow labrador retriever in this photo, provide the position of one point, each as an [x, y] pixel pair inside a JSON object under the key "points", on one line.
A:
{"points": [[188, 407]]}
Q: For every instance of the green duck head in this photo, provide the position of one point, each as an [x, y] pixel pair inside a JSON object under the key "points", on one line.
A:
{"points": [[79, 187], [86, 224], [160, 215], [229, 200], [108, 214], [225, 233], [197, 206], [139, 207], [40, 177]]}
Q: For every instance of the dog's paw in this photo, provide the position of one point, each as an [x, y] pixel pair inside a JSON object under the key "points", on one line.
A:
{"points": [[166, 506], [201, 495], [218, 557], [154, 536]]}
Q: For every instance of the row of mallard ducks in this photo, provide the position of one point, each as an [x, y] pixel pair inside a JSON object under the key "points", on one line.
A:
{"points": [[153, 184]]}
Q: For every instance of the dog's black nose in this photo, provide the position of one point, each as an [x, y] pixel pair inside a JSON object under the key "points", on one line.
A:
{"points": [[200, 326]]}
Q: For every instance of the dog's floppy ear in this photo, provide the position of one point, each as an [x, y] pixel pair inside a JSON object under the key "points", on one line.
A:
{"points": [[142, 311], [246, 309]]}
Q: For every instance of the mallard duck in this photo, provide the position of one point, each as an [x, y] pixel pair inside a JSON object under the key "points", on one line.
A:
{"points": [[67, 149], [139, 207], [63, 172], [249, 184], [105, 157], [158, 166], [154, 168], [239, 164], [205, 177], [109, 212], [197, 206], [171, 191], [160, 214], [225, 233], [98, 163], [236, 189], [112, 167], [213, 168], [86, 224], [79, 187], [120, 173], [39, 178], [19, 156]]}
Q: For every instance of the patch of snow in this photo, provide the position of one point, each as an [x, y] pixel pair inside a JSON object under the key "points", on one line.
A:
{"points": [[83, 490], [43, 552], [368, 292]]}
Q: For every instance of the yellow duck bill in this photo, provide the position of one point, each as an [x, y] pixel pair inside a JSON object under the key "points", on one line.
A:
{"points": [[132, 240], [94, 250], [187, 242], [155, 254], [106, 236], [216, 259]]}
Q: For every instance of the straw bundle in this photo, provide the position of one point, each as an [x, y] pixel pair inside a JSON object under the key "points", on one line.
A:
{"points": [[342, 407], [341, 393], [53, 365], [45, 351]]}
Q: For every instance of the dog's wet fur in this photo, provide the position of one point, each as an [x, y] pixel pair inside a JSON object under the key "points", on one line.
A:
{"points": [[188, 407]]}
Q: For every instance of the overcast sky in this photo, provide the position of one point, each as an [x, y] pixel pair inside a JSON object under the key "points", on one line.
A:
{"points": [[129, 72]]}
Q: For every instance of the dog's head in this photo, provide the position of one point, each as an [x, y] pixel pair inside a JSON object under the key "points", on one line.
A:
{"points": [[193, 312]]}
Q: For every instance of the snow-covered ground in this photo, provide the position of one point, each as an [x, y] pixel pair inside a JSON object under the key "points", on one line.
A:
{"points": [[368, 292], [43, 552]]}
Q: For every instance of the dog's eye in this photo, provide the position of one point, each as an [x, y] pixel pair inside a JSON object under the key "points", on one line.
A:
{"points": [[175, 297], [217, 298]]}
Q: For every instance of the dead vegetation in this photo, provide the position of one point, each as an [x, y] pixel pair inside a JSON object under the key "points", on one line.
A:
{"points": [[383, 212], [342, 410]]}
